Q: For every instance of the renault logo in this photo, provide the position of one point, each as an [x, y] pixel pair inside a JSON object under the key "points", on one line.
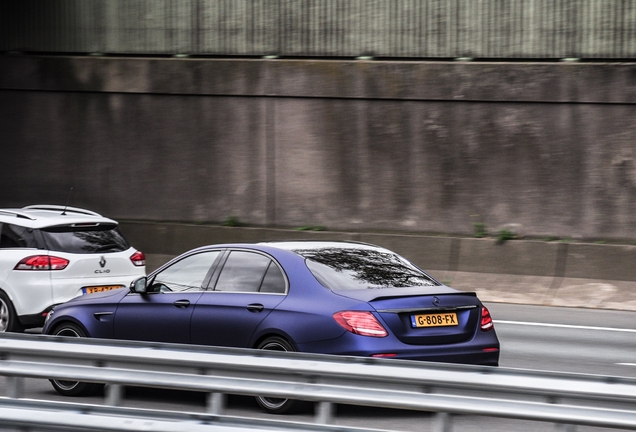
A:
{"points": [[435, 301], [102, 262]]}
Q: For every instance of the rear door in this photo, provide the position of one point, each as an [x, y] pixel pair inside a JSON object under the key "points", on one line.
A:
{"points": [[249, 286], [163, 315]]}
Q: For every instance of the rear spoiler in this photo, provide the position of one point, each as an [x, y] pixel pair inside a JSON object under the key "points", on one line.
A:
{"points": [[369, 295]]}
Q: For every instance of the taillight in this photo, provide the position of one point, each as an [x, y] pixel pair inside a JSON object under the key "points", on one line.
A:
{"points": [[138, 259], [486, 320], [42, 262], [361, 323]]}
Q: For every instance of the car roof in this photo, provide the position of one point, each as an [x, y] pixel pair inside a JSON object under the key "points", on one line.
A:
{"points": [[44, 215], [295, 246], [318, 244]]}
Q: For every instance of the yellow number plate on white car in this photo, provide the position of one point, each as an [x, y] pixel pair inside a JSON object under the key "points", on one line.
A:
{"points": [[434, 320], [96, 289]]}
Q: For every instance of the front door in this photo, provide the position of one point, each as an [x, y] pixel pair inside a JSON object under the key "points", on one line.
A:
{"points": [[164, 313]]}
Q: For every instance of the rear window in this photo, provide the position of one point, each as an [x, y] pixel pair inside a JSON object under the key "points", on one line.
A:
{"points": [[85, 239], [350, 269]]}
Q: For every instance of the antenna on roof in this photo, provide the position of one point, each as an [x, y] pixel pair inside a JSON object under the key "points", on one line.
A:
{"points": [[67, 200]]}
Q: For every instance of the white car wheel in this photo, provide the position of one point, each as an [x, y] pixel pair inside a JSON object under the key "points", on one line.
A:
{"points": [[8, 318]]}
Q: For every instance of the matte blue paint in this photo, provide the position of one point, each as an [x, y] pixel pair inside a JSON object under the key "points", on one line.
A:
{"points": [[303, 316]]}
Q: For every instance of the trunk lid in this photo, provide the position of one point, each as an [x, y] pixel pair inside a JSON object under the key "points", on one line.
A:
{"points": [[425, 316]]}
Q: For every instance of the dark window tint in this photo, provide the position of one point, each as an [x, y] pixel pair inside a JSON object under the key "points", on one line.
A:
{"points": [[85, 239], [15, 236], [345, 269], [187, 274], [246, 271]]}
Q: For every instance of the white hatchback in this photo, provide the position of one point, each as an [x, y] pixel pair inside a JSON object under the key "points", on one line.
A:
{"points": [[51, 254]]}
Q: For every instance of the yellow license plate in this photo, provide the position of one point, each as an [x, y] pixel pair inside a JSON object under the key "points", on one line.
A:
{"points": [[434, 320], [96, 289]]}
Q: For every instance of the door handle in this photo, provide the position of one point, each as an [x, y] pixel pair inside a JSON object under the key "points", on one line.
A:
{"points": [[255, 307], [182, 304]]}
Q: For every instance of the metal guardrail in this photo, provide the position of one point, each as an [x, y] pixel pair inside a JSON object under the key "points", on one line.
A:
{"points": [[571, 399], [44, 415], [379, 28]]}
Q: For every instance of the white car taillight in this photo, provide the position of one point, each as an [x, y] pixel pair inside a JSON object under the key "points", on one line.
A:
{"points": [[42, 262], [138, 259]]}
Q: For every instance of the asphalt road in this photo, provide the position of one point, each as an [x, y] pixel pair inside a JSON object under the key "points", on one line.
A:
{"points": [[592, 341], [532, 337]]}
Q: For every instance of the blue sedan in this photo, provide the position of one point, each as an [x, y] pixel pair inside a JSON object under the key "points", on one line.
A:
{"points": [[342, 298]]}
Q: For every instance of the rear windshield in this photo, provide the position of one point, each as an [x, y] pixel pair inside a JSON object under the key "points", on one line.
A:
{"points": [[85, 239], [351, 269]]}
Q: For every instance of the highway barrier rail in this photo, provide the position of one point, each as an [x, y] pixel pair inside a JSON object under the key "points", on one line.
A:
{"points": [[445, 389]]}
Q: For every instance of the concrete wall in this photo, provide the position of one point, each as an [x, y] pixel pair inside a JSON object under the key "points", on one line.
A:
{"points": [[515, 271], [546, 149], [435, 253]]}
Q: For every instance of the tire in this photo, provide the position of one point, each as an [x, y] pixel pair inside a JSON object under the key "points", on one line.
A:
{"points": [[8, 317], [279, 405], [73, 388]]}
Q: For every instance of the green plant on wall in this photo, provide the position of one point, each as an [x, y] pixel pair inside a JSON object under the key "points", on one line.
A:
{"points": [[479, 230], [232, 221], [504, 235], [310, 228]]}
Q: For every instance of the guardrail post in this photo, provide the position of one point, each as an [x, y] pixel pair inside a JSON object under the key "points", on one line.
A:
{"points": [[15, 386], [443, 422], [114, 394], [216, 403], [560, 426], [324, 412]]}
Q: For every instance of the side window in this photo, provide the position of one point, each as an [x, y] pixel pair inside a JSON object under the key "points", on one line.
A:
{"points": [[187, 274], [246, 272], [274, 281], [14, 236]]}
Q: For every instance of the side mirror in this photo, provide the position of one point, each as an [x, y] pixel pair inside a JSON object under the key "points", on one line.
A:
{"points": [[139, 286]]}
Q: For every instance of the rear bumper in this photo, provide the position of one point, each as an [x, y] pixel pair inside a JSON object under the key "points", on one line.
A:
{"points": [[482, 349], [473, 357], [34, 320]]}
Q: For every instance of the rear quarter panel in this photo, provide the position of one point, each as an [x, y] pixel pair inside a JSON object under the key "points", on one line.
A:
{"points": [[306, 313], [29, 290]]}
